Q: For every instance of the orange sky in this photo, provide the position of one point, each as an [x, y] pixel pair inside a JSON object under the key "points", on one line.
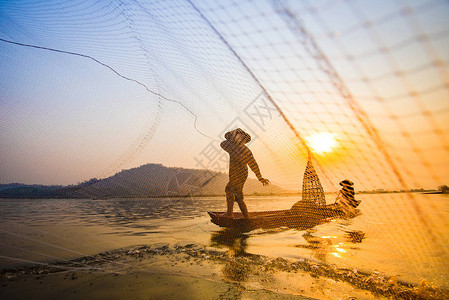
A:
{"points": [[380, 90]]}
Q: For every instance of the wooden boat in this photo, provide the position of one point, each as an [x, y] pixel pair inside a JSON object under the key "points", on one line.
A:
{"points": [[298, 217]]}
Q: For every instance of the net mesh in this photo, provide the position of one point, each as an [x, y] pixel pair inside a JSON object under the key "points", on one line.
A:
{"points": [[286, 71], [91, 88]]}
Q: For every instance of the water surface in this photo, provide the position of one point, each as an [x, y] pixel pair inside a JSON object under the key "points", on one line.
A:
{"points": [[396, 234]]}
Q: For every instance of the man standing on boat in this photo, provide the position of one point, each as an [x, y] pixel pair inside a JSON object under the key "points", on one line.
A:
{"points": [[239, 158]]}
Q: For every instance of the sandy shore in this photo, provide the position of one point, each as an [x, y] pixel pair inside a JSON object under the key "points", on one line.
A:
{"points": [[130, 286], [195, 272]]}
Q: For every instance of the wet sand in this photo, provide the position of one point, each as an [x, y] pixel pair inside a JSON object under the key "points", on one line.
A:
{"points": [[130, 286], [196, 272]]}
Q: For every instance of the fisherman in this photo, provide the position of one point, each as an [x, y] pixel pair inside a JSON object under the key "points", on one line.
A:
{"points": [[345, 197], [240, 157]]}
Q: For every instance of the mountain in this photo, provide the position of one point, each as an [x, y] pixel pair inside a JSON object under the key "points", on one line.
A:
{"points": [[150, 180], [18, 190]]}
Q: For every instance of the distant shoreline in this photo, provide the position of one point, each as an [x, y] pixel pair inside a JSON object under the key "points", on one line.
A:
{"points": [[158, 181], [214, 195]]}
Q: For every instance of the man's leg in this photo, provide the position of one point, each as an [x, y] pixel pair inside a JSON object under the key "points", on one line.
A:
{"points": [[241, 203], [230, 203], [229, 200]]}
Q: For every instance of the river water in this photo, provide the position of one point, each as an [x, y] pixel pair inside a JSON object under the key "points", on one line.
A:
{"points": [[402, 235]]}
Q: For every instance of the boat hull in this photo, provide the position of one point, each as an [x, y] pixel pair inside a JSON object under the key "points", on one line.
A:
{"points": [[294, 218]]}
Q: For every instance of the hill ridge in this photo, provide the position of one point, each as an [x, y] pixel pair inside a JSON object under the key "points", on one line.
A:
{"points": [[148, 180]]}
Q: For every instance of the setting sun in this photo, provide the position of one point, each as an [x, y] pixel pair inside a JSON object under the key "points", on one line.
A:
{"points": [[323, 142]]}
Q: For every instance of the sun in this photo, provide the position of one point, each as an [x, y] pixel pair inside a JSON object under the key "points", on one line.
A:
{"points": [[322, 142]]}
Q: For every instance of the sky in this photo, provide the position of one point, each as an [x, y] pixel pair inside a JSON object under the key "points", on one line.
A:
{"points": [[161, 81]]}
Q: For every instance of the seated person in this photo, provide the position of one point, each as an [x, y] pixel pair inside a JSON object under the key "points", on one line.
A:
{"points": [[345, 197]]}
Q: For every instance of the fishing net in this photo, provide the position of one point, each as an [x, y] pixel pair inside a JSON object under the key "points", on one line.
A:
{"points": [[98, 89], [282, 71]]}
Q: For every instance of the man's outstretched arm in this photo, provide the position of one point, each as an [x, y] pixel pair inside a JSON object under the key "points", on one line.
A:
{"points": [[255, 168]]}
